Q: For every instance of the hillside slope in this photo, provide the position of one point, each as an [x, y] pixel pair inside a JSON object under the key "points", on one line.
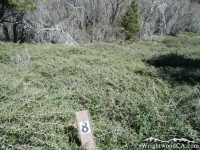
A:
{"points": [[129, 97]]}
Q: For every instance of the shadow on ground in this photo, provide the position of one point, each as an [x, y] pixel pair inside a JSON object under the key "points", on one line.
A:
{"points": [[175, 67]]}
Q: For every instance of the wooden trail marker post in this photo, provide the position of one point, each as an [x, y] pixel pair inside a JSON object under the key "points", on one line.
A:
{"points": [[85, 130]]}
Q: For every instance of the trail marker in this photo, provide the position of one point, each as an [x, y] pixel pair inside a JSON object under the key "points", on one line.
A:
{"points": [[85, 130]]}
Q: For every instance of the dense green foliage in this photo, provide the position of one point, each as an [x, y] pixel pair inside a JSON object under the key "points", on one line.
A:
{"points": [[132, 93], [130, 21], [198, 1], [21, 4]]}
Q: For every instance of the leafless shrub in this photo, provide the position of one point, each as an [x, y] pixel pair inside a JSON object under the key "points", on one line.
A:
{"points": [[21, 60], [167, 17], [77, 21]]}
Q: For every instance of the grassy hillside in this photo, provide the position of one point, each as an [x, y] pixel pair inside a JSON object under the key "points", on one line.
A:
{"points": [[147, 89]]}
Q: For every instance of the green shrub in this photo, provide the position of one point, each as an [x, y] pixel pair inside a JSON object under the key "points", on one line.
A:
{"points": [[172, 42], [4, 57], [128, 100], [181, 41]]}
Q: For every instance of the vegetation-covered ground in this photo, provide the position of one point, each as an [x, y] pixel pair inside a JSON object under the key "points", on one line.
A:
{"points": [[133, 92]]}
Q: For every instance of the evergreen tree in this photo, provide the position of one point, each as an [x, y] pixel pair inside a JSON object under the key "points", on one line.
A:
{"points": [[130, 22], [20, 4]]}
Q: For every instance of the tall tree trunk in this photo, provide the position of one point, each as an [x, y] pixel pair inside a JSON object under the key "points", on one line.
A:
{"points": [[6, 33], [15, 32]]}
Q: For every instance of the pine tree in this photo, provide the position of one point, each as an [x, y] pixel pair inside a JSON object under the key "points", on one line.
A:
{"points": [[130, 22]]}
